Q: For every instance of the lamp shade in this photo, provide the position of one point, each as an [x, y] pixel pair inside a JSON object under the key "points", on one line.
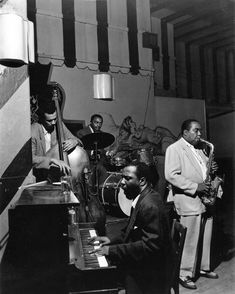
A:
{"points": [[17, 41], [103, 86]]}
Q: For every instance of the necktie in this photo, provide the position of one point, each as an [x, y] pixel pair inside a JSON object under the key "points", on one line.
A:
{"points": [[132, 209]]}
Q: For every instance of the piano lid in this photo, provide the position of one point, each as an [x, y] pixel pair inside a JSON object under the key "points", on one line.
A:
{"points": [[47, 194]]}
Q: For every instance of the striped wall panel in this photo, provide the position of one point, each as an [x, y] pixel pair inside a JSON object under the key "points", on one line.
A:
{"points": [[15, 144], [164, 68], [89, 33], [204, 73]]}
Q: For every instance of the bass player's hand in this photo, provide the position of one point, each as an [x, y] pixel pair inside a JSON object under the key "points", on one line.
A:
{"points": [[69, 144], [64, 168]]}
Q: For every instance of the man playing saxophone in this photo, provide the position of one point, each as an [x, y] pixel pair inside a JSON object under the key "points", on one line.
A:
{"points": [[186, 171]]}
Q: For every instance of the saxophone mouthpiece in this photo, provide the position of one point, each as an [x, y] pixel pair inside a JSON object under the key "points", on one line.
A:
{"points": [[203, 141]]}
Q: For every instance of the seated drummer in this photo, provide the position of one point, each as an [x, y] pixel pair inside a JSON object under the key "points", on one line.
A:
{"points": [[96, 122], [45, 150], [95, 126]]}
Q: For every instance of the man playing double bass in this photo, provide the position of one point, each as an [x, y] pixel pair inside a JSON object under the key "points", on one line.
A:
{"points": [[45, 147]]}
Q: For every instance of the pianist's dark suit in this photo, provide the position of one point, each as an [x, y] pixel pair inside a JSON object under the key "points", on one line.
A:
{"points": [[143, 249]]}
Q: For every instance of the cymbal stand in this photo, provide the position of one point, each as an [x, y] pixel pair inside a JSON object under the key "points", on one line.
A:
{"points": [[86, 195], [96, 170]]}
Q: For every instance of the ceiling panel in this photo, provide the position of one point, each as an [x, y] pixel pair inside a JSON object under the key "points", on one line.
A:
{"points": [[196, 20]]}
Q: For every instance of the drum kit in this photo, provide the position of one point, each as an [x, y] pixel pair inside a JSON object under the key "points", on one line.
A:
{"points": [[109, 191]]}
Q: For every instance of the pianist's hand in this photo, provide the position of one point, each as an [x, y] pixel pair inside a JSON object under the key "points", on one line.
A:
{"points": [[99, 240], [100, 251]]}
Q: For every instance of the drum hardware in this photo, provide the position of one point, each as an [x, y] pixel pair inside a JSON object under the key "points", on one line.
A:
{"points": [[143, 155], [114, 173], [118, 161], [97, 141], [113, 196], [94, 142]]}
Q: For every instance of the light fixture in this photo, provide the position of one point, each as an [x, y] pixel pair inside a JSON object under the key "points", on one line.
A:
{"points": [[103, 86], [17, 40]]}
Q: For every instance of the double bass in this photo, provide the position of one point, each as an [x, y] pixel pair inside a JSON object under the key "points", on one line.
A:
{"points": [[90, 209], [77, 159]]}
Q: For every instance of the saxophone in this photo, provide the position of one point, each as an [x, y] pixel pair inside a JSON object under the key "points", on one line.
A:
{"points": [[214, 180]]}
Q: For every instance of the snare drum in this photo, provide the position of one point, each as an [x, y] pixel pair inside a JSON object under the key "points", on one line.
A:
{"points": [[113, 195]]}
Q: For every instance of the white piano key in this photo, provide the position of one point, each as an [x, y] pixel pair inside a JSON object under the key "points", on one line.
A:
{"points": [[92, 233], [102, 261]]}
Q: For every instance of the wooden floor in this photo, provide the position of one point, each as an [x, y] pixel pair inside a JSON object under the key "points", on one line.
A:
{"points": [[224, 285]]}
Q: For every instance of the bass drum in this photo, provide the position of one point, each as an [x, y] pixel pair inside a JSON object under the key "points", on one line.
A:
{"points": [[113, 196]]}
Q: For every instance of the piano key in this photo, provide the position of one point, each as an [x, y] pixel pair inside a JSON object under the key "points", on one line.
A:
{"points": [[91, 260], [92, 233], [102, 261]]}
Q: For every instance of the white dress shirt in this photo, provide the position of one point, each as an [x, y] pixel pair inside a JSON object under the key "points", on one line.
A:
{"points": [[47, 137], [199, 159]]}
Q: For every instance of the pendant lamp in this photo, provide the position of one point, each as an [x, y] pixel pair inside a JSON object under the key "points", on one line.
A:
{"points": [[17, 40], [103, 86]]}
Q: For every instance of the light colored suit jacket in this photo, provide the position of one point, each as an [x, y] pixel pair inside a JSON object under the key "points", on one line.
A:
{"points": [[184, 173], [41, 158]]}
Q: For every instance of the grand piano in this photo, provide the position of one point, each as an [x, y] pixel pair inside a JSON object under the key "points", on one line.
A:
{"points": [[48, 250]]}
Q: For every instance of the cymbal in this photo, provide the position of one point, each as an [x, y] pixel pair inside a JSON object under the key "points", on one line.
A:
{"points": [[101, 139]]}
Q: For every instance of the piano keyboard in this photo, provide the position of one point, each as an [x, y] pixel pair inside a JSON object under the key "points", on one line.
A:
{"points": [[91, 260], [79, 249]]}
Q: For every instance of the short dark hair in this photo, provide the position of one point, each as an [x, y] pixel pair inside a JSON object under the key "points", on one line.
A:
{"points": [[46, 107], [96, 115], [186, 125], [45, 102], [142, 170]]}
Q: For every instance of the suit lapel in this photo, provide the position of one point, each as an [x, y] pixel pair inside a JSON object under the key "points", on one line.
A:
{"points": [[191, 157], [134, 213], [42, 139]]}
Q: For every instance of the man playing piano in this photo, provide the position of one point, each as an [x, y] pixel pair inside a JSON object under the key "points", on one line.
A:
{"points": [[143, 248]]}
